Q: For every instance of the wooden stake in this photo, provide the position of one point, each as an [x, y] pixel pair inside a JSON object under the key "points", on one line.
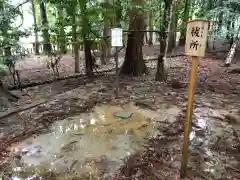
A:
{"points": [[117, 76], [191, 93]]}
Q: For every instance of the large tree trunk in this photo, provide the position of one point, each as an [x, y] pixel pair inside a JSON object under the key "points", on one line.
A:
{"points": [[184, 22], [61, 36], [133, 62], [86, 40], [36, 44], [46, 38]]}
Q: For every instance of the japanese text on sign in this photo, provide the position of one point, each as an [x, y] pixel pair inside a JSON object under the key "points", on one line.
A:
{"points": [[196, 38]]}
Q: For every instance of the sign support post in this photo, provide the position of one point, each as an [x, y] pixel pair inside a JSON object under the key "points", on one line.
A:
{"points": [[196, 39], [116, 41], [117, 75]]}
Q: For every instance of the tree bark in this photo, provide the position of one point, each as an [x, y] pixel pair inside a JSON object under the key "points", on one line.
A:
{"points": [[86, 41], [184, 22], [160, 74], [150, 26], [171, 38], [36, 44], [61, 36], [46, 38], [88, 57], [75, 44], [106, 51], [231, 54], [232, 51], [220, 18], [6, 97], [133, 62]]}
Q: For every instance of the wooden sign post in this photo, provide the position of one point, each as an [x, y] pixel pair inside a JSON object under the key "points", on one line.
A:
{"points": [[196, 38], [116, 41]]}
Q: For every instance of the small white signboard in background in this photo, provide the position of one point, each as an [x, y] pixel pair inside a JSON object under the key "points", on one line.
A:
{"points": [[116, 37], [196, 38]]}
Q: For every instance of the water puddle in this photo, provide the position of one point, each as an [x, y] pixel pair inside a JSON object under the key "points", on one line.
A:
{"points": [[212, 141], [89, 145]]}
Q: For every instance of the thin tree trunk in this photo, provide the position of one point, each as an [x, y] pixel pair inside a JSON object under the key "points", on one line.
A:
{"points": [[88, 57], [170, 32], [133, 62], [75, 43], [232, 51], [160, 74], [220, 18], [184, 22], [36, 44], [106, 51], [150, 26], [231, 54], [46, 37], [61, 36], [171, 38]]}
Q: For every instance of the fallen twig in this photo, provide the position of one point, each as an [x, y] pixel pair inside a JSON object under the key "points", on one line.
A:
{"points": [[32, 84], [11, 112]]}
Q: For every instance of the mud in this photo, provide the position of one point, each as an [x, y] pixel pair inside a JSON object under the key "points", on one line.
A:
{"points": [[88, 145], [213, 150]]}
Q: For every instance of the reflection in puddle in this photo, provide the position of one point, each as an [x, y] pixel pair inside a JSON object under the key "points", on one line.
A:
{"points": [[89, 144], [211, 138]]}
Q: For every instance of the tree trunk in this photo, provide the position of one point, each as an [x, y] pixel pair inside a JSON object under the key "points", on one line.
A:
{"points": [[171, 39], [133, 62], [6, 97], [46, 37], [220, 18], [74, 41], [88, 57], [36, 44], [232, 34], [7, 51], [160, 74], [86, 41], [106, 48], [184, 22], [175, 24], [61, 36], [150, 25], [231, 54]]}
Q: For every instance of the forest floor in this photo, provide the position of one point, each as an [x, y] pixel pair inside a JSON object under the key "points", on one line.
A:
{"points": [[34, 68], [70, 130]]}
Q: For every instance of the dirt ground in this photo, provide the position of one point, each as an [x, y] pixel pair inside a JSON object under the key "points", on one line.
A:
{"points": [[34, 68], [215, 138]]}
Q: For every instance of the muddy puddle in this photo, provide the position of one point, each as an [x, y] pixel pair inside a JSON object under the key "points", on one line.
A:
{"points": [[89, 145], [214, 141]]}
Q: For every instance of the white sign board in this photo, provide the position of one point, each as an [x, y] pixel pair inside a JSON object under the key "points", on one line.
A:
{"points": [[196, 37], [116, 37]]}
